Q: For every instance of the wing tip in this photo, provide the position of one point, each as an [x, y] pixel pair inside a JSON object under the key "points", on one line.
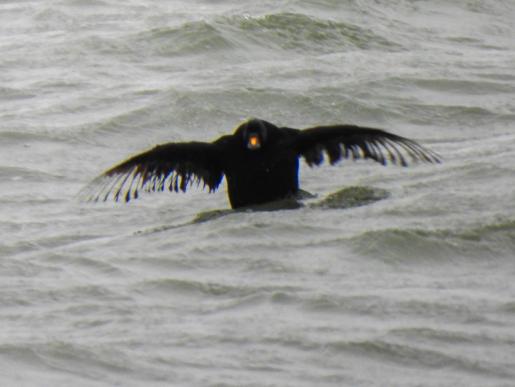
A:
{"points": [[390, 150]]}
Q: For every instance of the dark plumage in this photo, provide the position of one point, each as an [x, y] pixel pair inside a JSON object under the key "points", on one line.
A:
{"points": [[260, 161]]}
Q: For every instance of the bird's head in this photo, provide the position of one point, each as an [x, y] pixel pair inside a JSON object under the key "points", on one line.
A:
{"points": [[254, 133]]}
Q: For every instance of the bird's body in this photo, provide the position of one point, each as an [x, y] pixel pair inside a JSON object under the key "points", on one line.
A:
{"points": [[256, 179], [260, 161], [261, 175]]}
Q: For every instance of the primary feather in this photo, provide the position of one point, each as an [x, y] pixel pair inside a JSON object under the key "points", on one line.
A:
{"points": [[172, 166]]}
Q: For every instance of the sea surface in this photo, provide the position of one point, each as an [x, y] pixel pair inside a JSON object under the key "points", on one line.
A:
{"points": [[414, 289]]}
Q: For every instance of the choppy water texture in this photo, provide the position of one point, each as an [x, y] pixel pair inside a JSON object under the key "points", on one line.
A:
{"points": [[414, 289]]}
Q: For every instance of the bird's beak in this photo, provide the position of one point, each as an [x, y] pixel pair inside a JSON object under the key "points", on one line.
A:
{"points": [[254, 142]]}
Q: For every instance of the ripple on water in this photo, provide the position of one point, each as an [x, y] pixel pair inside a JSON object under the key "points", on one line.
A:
{"points": [[417, 356], [418, 245]]}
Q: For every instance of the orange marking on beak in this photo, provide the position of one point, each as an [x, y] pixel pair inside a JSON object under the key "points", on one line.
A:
{"points": [[254, 142]]}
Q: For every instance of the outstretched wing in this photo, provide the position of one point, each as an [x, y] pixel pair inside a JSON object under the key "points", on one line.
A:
{"points": [[171, 166], [349, 141]]}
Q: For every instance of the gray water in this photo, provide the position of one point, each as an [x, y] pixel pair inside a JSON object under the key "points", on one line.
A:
{"points": [[416, 289]]}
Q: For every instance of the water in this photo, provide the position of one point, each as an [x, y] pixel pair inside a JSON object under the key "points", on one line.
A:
{"points": [[415, 289]]}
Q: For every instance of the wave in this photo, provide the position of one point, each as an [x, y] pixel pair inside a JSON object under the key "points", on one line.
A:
{"points": [[299, 32], [414, 355], [13, 173], [198, 37], [276, 32], [205, 289], [493, 240], [50, 359], [11, 93]]}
